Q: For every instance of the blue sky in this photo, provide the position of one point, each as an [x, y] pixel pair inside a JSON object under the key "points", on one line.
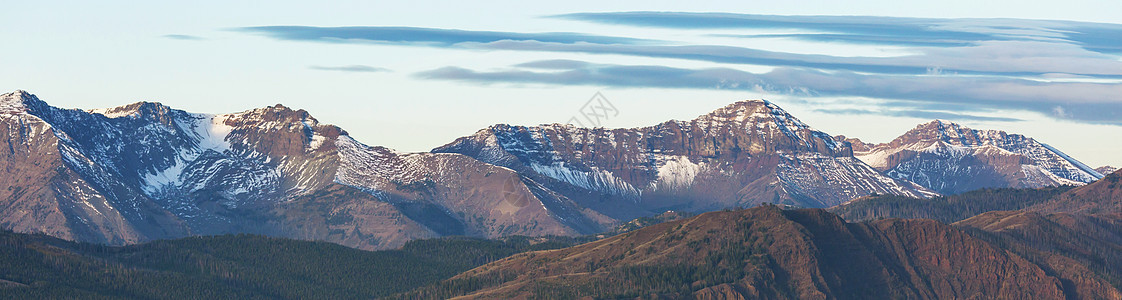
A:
{"points": [[413, 76]]}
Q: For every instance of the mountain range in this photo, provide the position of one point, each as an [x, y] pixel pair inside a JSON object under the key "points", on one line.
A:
{"points": [[744, 154], [145, 171]]}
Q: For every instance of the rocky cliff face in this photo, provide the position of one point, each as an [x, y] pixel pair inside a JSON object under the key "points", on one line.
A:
{"points": [[146, 171], [744, 154], [951, 159]]}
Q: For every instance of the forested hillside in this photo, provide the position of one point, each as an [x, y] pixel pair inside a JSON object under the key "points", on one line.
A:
{"points": [[768, 253], [238, 267], [947, 209], [1062, 243]]}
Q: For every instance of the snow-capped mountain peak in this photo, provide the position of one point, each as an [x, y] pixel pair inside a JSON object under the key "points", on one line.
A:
{"points": [[772, 125], [137, 109], [753, 111], [956, 134], [19, 101], [951, 158]]}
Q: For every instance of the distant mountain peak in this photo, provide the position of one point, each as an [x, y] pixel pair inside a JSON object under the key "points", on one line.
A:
{"points": [[951, 158], [953, 134], [764, 118], [17, 94], [281, 110], [947, 128], [278, 115], [941, 124], [140, 108], [752, 110], [749, 103], [857, 144], [19, 101]]}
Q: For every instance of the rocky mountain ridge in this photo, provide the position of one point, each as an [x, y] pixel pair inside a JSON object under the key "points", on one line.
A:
{"points": [[950, 158], [145, 171], [744, 154]]}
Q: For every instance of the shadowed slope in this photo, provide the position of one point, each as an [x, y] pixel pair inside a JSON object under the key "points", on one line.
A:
{"points": [[771, 254]]}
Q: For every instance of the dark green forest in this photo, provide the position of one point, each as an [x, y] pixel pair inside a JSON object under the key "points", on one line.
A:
{"points": [[238, 267], [946, 209]]}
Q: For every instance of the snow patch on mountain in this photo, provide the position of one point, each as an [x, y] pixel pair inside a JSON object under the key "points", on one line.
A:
{"points": [[675, 172], [208, 133], [810, 174], [170, 177], [1037, 175], [13, 103], [316, 142], [372, 168], [113, 112], [212, 131], [597, 180], [877, 158], [1091, 171]]}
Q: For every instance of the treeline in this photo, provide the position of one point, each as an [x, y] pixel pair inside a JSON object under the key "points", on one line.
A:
{"points": [[239, 267], [651, 220], [947, 209]]}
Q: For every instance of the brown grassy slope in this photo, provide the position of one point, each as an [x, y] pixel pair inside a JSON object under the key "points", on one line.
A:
{"points": [[1080, 249], [1102, 197], [769, 253]]}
